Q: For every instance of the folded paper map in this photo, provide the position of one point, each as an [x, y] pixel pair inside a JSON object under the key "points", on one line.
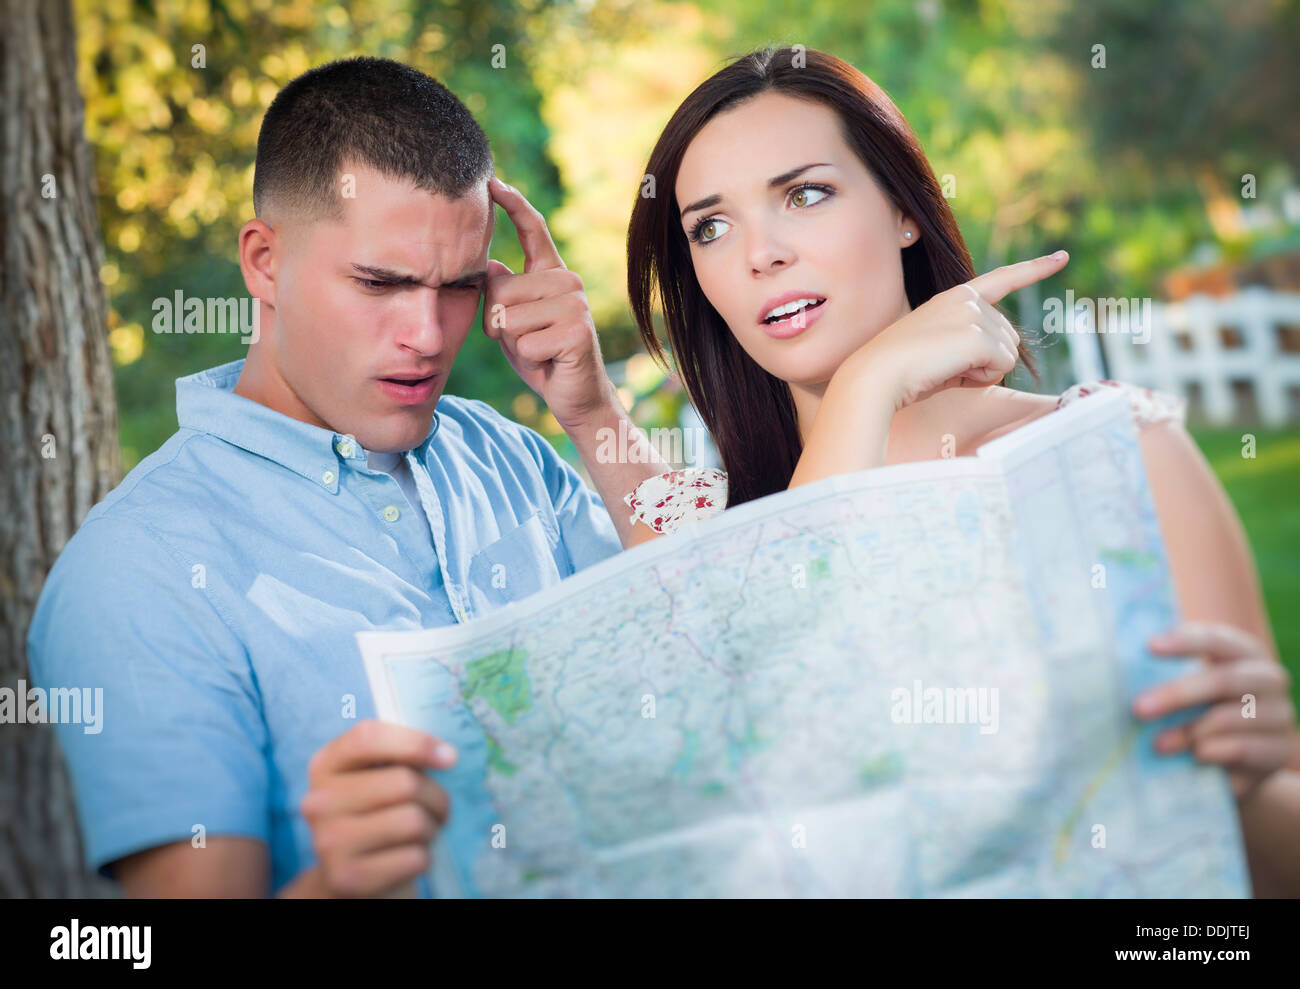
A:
{"points": [[908, 681]]}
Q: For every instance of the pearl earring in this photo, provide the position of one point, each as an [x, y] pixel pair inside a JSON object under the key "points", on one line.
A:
{"points": [[908, 235]]}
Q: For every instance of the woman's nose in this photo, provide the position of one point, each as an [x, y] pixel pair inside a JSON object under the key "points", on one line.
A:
{"points": [[768, 252]]}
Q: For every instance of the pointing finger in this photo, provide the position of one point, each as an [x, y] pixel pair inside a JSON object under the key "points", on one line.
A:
{"points": [[534, 237], [995, 285]]}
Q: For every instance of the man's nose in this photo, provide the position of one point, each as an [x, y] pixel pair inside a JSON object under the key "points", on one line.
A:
{"points": [[421, 327]]}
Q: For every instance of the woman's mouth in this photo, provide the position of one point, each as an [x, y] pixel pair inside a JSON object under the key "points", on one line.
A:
{"points": [[789, 317], [408, 390]]}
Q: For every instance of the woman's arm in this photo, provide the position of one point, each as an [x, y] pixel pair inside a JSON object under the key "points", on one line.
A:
{"points": [[1218, 593], [955, 339], [851, 431]]}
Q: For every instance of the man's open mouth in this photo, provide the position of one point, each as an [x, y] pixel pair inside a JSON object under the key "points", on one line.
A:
{"points": [[409, 380]]}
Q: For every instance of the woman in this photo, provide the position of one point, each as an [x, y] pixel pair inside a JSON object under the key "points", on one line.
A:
{"points": [[825, 318]]}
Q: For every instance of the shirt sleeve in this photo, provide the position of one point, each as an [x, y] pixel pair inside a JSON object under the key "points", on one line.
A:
{"points": [[180, 743], [676, 498], [1148, 405]]}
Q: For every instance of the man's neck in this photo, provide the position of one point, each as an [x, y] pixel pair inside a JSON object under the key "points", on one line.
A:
{"points": [[259, 382]]}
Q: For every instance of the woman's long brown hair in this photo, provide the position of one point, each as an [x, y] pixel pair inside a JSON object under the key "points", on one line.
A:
{"points": [[749, 412]]}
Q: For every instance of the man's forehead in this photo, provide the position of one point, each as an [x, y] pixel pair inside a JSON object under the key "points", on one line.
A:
{"points": [[411, 220], [365, 192]]}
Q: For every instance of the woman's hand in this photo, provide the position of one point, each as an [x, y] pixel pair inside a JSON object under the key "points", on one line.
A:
{"points": [[1250, 727], [956, 339]]}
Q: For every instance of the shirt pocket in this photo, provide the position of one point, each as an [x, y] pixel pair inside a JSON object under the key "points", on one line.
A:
{"points": [[520, 563]]}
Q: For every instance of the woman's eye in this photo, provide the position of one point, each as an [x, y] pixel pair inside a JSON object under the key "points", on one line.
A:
{"points": [[800, 196], [709, 230]]}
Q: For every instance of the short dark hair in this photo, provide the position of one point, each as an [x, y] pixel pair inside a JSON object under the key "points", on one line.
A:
{"points": [[373, 111]]}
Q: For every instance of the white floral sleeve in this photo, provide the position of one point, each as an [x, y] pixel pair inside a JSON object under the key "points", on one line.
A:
{"points": [[1149, 406], [666, 501]]}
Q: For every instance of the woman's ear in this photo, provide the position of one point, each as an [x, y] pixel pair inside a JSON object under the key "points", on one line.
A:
{"points": [[908, 232]]}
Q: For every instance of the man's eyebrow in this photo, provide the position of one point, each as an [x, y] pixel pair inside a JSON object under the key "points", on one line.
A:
{"points": [[776, 180], [473, 279], [386, 275]]}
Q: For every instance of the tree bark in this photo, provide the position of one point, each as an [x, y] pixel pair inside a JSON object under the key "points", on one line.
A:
{"points": [[60, 416]]}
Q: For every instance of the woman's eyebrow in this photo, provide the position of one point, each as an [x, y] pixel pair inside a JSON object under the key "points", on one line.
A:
{"points": [[776, 180]]}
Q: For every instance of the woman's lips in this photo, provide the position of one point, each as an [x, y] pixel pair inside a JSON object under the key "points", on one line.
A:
{"points": [[795, 323], [409, 391]]}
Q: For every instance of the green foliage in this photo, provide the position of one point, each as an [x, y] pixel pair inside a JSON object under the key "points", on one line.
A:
{"points": [[1130, 167], [1263, 490]]}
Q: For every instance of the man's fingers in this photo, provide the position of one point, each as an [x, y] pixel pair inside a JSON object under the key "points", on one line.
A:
{"points": [[378, 743], [534, 237], [382, 872], [390, 827], [995, 285], [374, 789], [496, 269], [532, 286]]}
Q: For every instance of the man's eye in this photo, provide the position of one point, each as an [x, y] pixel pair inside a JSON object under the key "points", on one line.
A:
{"points": [[371, 283]]}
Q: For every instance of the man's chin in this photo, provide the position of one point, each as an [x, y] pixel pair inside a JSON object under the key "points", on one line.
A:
{"points": [[397, 430]]}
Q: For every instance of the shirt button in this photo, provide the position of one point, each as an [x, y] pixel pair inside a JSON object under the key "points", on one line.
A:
{"points": [[327, 478], [391, 514], [346, 449]]}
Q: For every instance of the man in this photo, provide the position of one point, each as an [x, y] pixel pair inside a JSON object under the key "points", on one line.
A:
{"points": [[326, 484]]}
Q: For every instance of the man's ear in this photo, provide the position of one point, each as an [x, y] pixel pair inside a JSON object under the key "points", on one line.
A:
{"points": [[257, 243]]}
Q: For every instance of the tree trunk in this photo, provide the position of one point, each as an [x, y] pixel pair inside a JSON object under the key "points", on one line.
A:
{"points": [[60, 417]]}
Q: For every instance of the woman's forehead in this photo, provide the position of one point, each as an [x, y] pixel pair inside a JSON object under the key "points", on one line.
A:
{"points": [[761, 138]]}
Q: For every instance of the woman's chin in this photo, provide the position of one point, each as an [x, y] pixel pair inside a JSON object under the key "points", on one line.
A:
{"points": [[809, 378]]}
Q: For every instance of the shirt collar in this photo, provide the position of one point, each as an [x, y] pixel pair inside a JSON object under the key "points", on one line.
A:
{"points": [[206, 402]]}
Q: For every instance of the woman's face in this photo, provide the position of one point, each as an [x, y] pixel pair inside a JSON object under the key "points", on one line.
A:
{"points": [[779, 209]]}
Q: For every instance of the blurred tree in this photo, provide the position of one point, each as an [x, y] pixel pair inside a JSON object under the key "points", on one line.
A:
{"points": [[60, 421], [1203, 91]]}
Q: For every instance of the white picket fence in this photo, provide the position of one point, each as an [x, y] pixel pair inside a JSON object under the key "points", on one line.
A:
{"points": [[1234, 358]]}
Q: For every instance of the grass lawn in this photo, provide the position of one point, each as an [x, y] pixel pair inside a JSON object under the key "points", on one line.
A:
{"points": [[1266, 492]]}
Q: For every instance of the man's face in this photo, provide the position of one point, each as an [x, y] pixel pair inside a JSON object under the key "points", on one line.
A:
{"points": [[371, 311]]}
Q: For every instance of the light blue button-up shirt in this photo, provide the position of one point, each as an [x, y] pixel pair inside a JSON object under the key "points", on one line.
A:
{"points": [[214, 595]]}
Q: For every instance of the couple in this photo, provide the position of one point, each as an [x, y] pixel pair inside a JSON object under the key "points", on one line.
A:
{"points": [[824, 317]]}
